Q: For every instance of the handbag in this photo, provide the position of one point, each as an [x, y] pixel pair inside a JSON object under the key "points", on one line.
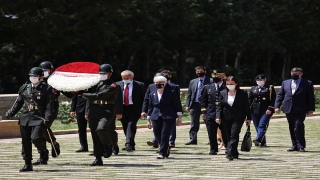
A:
{"points": [[246, 142]]}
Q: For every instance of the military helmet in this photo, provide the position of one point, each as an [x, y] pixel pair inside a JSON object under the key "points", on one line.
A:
{"points": [[46, 65], [261, 76], [36, 71], [104, 68]]}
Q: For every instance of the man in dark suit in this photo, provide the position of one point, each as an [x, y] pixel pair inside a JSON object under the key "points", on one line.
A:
{"points": [[151, 88], [78, 106], [299, 101], [192, 104], [209, 100], [130, 99]]}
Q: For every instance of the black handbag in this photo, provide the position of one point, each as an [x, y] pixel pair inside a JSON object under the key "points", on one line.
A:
{"points": [[246, 142]]}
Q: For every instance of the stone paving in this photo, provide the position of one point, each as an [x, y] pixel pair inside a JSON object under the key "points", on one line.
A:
{"points": [[185, 162]]}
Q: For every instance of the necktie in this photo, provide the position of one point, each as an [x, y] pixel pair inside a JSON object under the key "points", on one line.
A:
{"points": [[126, 95], [294, 86], [200, 87]]}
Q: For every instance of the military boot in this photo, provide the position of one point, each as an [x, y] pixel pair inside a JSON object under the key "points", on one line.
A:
{"points": [[27, 167], [44, 157], [107, 151]]}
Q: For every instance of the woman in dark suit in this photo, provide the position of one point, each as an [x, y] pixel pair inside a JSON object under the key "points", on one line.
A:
{"points": [[164, 108], [232, 110]]}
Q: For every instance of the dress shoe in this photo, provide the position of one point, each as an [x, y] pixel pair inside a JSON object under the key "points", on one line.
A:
{"points": [[230, 157], [256, 142], [57, 147], [292, 149], [192, 142], [44, 157], [160, 157], [26, 168], [302, 150], [116, 150], [172, 145], [265, 145], [236, 157], [153, 144], [212, 153], [82, 149], [97, 162], [40, 161], [107, 151], [129, 148]]}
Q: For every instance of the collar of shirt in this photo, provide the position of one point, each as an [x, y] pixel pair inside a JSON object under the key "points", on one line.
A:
{"points": [[297, 82]]}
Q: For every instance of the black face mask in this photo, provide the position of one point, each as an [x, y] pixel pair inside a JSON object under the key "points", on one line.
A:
{"points": [[159, 86], [200, 74], [294, 76], [216, 79]]}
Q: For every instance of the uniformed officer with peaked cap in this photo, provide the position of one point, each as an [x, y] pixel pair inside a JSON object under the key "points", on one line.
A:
{"points": [[209, 100], [261, 99], [37, 99]]}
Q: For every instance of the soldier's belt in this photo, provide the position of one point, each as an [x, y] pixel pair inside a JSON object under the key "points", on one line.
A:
{"points": [[102, 102], [31, 107]]}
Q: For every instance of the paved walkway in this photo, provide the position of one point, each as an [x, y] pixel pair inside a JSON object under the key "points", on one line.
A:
{"points": [[185, 162]]}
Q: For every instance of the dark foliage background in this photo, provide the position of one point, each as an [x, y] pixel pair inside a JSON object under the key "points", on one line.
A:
{"points": [[245, 37]]}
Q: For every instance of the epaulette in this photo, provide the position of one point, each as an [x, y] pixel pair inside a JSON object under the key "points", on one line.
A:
{"points": [[21, 89]]}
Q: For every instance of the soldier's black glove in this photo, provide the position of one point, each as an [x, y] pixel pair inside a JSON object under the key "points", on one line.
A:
{"points": [[47, 124], [9, 114]]}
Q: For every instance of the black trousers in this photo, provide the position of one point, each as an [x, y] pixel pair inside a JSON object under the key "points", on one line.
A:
{"points": [[232, 131], [129, 121], [100, 134], [161, 130], [29, 135], [113, 133], [296, 128], [195, 111], [82, 129], [212, 134]]}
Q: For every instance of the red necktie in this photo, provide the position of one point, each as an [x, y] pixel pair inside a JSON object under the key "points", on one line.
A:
{"points": [[126, 96]]}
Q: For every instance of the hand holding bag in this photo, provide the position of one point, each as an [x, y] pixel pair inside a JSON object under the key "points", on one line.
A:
{"points": [[246, 142]]}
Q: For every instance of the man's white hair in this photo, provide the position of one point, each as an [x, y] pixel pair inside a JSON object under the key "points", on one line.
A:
{"points": [[160, 78], [127, 72]]}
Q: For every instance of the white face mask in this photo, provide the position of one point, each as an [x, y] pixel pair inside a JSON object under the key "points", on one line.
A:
{"points": [[231, 87], [34, 80], [103, 77], [46, 74], [126, 81], [260, 83]]}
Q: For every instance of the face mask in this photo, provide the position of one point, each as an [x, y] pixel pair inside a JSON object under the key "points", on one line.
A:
{"points": [[216, 80], [294, 76], [231, 87], [200, 74], [103, 77], [126, 81], [260, 83], [159, 86], [46, 74], [34, 80]]}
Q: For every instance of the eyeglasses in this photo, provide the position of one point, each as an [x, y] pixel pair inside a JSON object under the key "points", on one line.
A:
{"points": [[230, 84]]}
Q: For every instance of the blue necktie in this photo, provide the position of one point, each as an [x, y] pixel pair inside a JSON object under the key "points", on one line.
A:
{"points": [[200, 87]]}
